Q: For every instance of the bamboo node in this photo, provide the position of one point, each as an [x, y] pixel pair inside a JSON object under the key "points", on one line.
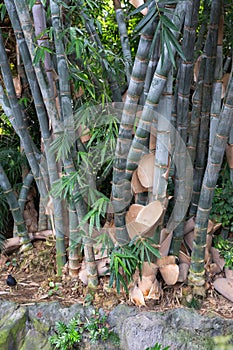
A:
{"points": [[161, 76]]}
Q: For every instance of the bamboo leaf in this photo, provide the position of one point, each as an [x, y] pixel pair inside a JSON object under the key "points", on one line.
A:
{"points": [[140, 8], [123, 284], [168, 23], [146, 19], [116, 265], [118, 286], [167, 10], [153, 250], [169, 48], [2, 11], [142, 253], [176, 44]]}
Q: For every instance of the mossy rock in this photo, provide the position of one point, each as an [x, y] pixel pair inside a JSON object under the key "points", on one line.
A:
{"points": [[35, 341], [13, 329], [41, 327]]}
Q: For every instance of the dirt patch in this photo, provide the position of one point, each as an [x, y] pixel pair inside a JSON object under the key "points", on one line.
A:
{"points": [[37, 282]]}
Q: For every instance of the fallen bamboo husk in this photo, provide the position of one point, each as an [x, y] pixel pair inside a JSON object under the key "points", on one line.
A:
{"points": [[13, 244]]}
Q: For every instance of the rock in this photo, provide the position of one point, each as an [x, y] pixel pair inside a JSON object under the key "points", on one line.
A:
{"points": [[13, 329], [179, 328], [36, 341], [29, 327]]}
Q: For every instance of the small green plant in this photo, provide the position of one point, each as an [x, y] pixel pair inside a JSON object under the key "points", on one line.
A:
{"points": [[194, 303], [222, 209], [54, 288], [96, 326], [158, 346], [123, 265], [225, 247], [68, 337], [124, 260]]}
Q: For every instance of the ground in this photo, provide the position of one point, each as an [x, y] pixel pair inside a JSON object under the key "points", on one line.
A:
{"points": [[37, 282]]}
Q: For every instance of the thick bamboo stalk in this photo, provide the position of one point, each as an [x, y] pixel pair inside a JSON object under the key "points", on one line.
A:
{"points": [[68, 122], [230, 146], [43, 87], [122, 200], [140, 141], [16, 211], [39, 17], [197, 272], [195, 114], [210, 51], [23, 195], [38, 99], [151, 70], [217, 85], [29, 36], [124, 38], [182, 189], [162, 154], [74, 243], [203, 29], [24, 190], [18, 124]]}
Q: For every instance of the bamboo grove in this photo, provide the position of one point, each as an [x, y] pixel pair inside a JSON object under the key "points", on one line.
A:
{"points": [[104, 93]]}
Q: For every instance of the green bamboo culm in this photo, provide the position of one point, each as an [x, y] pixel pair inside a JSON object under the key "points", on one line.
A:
{"points": [[197, 271], [74, 247], [182, 189], [210, 51], [23, 195], [49, 102], [121, 190], [68, 127], [140, 141], [124, 38]]}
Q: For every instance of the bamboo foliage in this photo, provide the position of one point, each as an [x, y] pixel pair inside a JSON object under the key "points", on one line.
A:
{"points": [[90, 27]]}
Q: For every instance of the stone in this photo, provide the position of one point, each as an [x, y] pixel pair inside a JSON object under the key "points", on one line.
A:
{"points": [[29, 327], [179, 328], [35, 341], [13, 329]]}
